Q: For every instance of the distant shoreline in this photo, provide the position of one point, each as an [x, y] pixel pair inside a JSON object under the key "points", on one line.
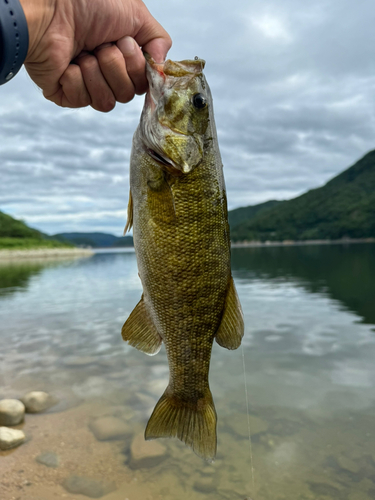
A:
{"points": [[42, 253], [289, 243]]}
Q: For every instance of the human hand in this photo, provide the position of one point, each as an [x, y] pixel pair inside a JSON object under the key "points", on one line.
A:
{"points": [[87, 52]]}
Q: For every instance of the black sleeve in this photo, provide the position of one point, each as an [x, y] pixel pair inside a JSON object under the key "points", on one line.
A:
{"points": [[14, 39]]}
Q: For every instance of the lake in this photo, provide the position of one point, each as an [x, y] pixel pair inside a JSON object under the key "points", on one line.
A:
{"points": [[308, 353]]}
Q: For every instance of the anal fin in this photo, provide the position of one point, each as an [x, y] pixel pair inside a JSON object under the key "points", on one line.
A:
{"points": [[139, 330], [231, 329]]}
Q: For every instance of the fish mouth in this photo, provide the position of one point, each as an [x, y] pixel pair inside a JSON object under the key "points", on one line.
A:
{"points": [[167, 163]]}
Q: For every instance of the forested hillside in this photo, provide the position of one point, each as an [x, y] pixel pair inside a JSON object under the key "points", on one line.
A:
{"points": [[15, 234], [344, 207]]}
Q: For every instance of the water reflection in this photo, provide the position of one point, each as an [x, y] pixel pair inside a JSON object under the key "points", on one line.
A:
{"points": [[16, 276], [309, 369], [345, 272]]}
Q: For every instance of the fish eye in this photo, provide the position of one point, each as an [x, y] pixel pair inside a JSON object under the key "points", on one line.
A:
{"points": [[199, 101]]}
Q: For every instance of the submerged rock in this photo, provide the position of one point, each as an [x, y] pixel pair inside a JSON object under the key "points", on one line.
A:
{"points": [[107, 428], [146, 454], [12, 412], [10, 438], [347, 464], [48, 458], [38, 401], [86, 486], [239, 424], [205, 485]]}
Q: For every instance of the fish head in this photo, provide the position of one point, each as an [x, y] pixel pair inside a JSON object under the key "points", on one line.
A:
{"points": [[176, 114]]}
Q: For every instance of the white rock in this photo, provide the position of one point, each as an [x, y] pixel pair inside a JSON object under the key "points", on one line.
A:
{"points": [[10, 438], [12, 412], [145, 454], [106, 428], [37, 401]]}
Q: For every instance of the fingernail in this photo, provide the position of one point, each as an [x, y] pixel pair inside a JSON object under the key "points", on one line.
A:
{"points": [[126, 45]]}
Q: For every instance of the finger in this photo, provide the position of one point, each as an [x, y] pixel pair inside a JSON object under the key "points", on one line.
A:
{"points": [[135, 63], [153, 38], [113, 67], [102, 98], [158, 49], [74, 93]]}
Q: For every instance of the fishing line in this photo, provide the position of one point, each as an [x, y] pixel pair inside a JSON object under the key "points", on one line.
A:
{"points": [[248, 418]]}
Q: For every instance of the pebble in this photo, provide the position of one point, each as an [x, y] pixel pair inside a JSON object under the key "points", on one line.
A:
{"points": [[107, 428], [348, 464], [10, 438], [48, 458], [12, 412], [37, 401], [86, 486], [146, 454]]}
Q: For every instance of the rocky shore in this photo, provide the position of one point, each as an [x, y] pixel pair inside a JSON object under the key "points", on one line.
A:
{"points": [[96, 449], [12, 413], [44, 253]]}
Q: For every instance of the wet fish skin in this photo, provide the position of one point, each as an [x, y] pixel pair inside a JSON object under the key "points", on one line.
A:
{"points": [[178, 210]]}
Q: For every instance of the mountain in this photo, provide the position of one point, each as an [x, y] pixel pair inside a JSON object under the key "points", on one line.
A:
{"points": [[243, 214], [13, 228], [15, 234], [95, 240], [342, 208]]}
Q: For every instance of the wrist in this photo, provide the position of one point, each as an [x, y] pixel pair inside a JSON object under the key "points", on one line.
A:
{"points": [[39, 14]]}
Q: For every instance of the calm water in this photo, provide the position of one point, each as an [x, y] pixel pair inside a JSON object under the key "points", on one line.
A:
{"points": [[309, 352]]}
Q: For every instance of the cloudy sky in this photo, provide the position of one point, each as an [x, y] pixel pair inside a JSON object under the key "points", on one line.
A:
{"points": [[294, 94]]}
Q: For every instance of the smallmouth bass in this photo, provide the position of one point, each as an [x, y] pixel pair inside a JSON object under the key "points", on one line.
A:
{"points": [[178, 211]]}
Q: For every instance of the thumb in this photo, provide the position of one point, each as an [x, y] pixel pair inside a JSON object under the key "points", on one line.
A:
{"points": [[153, 38], [158, 48]]}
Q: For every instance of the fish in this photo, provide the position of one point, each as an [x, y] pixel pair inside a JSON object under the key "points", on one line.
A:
{"points": [[178, 211]]}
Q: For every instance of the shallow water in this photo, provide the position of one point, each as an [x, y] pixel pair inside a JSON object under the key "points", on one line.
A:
{"points": [[309, 351]]}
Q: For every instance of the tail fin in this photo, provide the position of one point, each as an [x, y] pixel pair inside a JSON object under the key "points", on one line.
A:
{"points": [[192, 423]]}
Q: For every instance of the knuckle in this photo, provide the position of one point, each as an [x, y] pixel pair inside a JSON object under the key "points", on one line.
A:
{"points": [[110, 57]]}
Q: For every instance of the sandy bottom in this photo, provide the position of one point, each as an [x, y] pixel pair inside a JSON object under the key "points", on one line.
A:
{"points": [[293, 458]]}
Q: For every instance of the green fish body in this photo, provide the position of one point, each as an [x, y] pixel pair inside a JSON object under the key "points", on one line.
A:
{"points": [[178, 211]]}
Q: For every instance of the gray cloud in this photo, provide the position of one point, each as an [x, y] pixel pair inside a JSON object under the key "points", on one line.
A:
{"points": [[293, 88]]}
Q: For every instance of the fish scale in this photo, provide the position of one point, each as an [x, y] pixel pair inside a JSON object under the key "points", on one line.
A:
{"points": [[178, 210]]}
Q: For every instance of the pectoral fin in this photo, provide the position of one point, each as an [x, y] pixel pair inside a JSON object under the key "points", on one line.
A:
{"points": [[231, 328], [129, 221], [139, 330]]}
